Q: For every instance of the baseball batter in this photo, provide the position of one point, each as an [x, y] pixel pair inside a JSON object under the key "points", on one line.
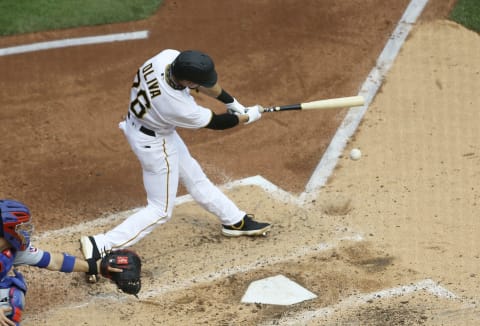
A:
{"points": [[160, 102]]}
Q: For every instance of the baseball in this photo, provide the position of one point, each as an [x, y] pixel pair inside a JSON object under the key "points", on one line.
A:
{"points": [[355, 154]]}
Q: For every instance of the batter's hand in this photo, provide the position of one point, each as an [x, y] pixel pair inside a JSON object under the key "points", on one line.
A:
{"points": [[253, 113], [235, 107]]}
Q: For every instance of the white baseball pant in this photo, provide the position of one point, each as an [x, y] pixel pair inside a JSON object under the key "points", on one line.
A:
{"points": [[165, 160]]}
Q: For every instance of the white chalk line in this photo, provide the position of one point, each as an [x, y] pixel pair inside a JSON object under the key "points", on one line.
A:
{"points": [[78, 41], [258, 181], [427, 285], [148, 295], [368, 90], [229, 271]]}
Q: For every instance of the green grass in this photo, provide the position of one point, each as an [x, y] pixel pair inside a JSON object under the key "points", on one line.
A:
{"points": [[467, 13], [26, 16]]}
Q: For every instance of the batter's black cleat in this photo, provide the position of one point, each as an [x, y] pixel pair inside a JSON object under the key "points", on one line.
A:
{"points": [[90, 250], [247, 226]]}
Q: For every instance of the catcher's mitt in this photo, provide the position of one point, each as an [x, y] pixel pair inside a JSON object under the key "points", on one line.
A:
{"points": [[129, 279]]}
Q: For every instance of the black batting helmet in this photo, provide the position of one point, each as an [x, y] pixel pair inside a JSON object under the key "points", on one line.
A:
{"points": [[196, 67]]}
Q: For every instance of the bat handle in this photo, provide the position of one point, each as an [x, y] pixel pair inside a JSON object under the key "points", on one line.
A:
{"points": [[268, 109], [282, 108]]}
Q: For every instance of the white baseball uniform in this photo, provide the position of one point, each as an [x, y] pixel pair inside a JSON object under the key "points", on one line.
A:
{"points": [[156, 109]]}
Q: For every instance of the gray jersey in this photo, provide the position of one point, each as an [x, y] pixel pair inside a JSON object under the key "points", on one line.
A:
{"points": [[30, 256]]}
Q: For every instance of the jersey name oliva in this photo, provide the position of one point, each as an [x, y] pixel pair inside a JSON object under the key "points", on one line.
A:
{"points": [[153, 87]]}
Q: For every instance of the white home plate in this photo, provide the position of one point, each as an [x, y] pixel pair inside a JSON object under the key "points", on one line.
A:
{"points": [[277, 290]]}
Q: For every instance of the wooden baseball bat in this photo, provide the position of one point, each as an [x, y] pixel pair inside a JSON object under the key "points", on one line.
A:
{"points": [[341, 102]]}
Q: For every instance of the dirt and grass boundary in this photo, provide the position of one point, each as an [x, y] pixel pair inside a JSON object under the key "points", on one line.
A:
{"points": [[34, 16]]}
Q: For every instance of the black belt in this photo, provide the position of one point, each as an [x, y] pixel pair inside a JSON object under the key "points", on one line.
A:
{"points": [[146, 131]]}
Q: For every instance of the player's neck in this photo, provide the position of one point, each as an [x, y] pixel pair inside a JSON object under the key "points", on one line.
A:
{"points": [[171, 80]]}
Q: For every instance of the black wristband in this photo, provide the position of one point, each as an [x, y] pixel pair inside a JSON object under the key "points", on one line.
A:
{"points": [[225, 97]]}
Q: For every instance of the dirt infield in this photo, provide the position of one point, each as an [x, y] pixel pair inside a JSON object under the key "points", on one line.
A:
{"points": [[73, 98], [390, 240]]}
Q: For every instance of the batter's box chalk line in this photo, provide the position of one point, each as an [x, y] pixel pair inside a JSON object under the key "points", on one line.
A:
{"points": [[368, 90], [78, 41], [259, 181], [301, 251], [426, 285], [301, 317], [161, 287]]}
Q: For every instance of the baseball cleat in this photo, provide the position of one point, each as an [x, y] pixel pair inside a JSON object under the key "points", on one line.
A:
{"points": [[247, 226], [91, 278], [89, 248]]}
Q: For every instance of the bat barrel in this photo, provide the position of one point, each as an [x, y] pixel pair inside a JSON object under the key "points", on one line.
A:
{"points": [[334, 103], [341, 102]]}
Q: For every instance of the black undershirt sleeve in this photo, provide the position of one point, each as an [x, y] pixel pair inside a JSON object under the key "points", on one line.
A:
{"points": [[222, 121], [225, 97]]}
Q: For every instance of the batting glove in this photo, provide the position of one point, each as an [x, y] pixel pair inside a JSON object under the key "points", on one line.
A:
{"points": [[235, 107], [253, 113]]}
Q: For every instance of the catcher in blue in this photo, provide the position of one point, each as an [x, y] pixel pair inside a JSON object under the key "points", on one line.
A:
{"points": [[160, 102], [122, 267]]}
